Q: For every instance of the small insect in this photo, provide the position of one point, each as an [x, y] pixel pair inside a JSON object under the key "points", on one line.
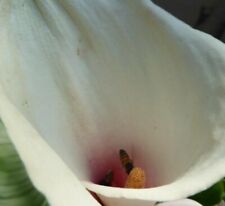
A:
{"points": [[126, 162], [136, 176], [107, 180]]}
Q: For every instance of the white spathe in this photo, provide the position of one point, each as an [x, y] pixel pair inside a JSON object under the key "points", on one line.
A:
{"points": [[80, 79]]}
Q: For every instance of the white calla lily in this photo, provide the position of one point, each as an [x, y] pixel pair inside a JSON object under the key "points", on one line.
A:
{"points": [[81, 79]]}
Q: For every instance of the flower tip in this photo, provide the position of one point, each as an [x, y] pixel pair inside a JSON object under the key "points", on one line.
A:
{"points": [[136, 179]]}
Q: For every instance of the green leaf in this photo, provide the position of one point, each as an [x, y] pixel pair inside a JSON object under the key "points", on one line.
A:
{"points": [[16, 188], [212, 196]]}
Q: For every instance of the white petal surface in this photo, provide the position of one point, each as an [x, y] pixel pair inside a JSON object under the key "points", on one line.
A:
{"points": [[185, 202], [47, 171], [90, 77]]}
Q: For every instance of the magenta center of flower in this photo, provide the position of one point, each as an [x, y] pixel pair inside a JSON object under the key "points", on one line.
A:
{"points": [[117, 169], [101, 165]]}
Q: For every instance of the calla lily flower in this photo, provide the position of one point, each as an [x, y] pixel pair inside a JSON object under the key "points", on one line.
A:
{"points": [[81, 79]]}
